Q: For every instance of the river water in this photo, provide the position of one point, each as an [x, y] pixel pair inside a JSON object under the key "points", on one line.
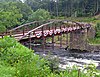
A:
{"points": [[70, 58]]}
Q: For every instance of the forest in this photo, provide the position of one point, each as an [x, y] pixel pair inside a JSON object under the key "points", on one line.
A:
{"points": [[68, 8], [15, 12]]}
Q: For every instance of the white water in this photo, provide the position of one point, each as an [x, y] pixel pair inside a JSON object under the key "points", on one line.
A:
{"points": [[70, 62], [68, 59]]}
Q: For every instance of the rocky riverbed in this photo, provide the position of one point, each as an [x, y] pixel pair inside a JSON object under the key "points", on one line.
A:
{"points": [[70, 58]]}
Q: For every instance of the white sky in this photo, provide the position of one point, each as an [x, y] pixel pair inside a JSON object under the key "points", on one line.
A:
{"points": [[22, 0]]}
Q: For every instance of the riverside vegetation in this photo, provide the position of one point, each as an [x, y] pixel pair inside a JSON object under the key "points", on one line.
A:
{"points": [[19, 61], [96, 39]]}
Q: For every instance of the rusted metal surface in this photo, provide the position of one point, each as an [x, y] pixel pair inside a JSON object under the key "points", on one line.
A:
{"points": [[27, 24], [50, 29]]}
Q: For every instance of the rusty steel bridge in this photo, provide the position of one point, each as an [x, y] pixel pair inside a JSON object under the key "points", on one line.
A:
{"points": [[69, 33]]}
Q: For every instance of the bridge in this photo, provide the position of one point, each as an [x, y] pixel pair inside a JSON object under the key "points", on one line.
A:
{"points": [[68, 33]]}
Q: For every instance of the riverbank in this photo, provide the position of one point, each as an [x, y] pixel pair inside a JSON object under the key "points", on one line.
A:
{"points": [[69, 58], [93, 47]]}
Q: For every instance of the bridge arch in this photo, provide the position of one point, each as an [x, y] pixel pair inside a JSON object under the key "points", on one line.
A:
{"points": [[74, 32]]}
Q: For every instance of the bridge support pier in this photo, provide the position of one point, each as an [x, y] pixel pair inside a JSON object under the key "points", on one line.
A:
{"points": [[67, 41], [43, 44], [43, 40], [29, 41], [23, 30], [61, 40], [78, 39], [53, 41]]}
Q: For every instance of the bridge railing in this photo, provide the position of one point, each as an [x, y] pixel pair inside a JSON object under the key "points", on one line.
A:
{"points": [[22, 29], [53, 25], [30, 29], [39, 28]]}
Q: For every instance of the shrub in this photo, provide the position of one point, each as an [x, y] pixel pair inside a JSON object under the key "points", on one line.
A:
{"points": [[97, 30], [23, 60], [12, 51], [6, 70]]}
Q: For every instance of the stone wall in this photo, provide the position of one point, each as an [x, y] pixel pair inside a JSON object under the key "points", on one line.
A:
{"points": [[91, 32], [93, 48], [78, 39]]}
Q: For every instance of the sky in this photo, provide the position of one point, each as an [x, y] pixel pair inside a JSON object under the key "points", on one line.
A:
{"points": [[22, 0]]}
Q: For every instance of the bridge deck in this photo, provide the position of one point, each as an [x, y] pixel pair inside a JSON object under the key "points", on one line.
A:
{"points": [[51, 29]]}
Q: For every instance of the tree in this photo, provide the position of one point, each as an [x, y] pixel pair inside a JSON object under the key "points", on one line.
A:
{"points": [[97, 6], [34, 4], [10, 0], [10, 16], [24, 9], [40, 14], [98, 30], [67, 7]]}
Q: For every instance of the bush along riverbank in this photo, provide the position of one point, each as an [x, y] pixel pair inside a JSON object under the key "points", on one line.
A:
{"points": [[96, 39], [19, 61]]}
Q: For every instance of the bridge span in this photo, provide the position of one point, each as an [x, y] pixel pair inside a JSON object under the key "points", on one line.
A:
{"points": [[68, 33]]}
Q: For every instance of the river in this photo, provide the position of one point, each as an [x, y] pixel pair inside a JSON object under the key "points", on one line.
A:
{"points": [[70, 58]]}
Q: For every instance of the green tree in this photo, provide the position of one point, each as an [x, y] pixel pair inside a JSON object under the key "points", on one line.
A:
{"points": [[24, 9], [10, 16], [67, 7], [98, 30], [10, 0], [40, 14]]}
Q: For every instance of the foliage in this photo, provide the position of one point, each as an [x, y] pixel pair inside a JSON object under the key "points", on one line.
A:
{"points": [[25, 10], [22, 61], [10, 0], [96, 40], [16, 13], [75, 72], [40, 14], [53, 62], [68, 8], [83, 19], [91, 71], [97, 30], [33, 68], [10, 51], [18, 61], [13, 14], [10, 16], [6, 70]]}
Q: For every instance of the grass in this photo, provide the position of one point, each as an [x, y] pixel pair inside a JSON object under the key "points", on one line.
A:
{"points": [[93, 20], [94, 41]]}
